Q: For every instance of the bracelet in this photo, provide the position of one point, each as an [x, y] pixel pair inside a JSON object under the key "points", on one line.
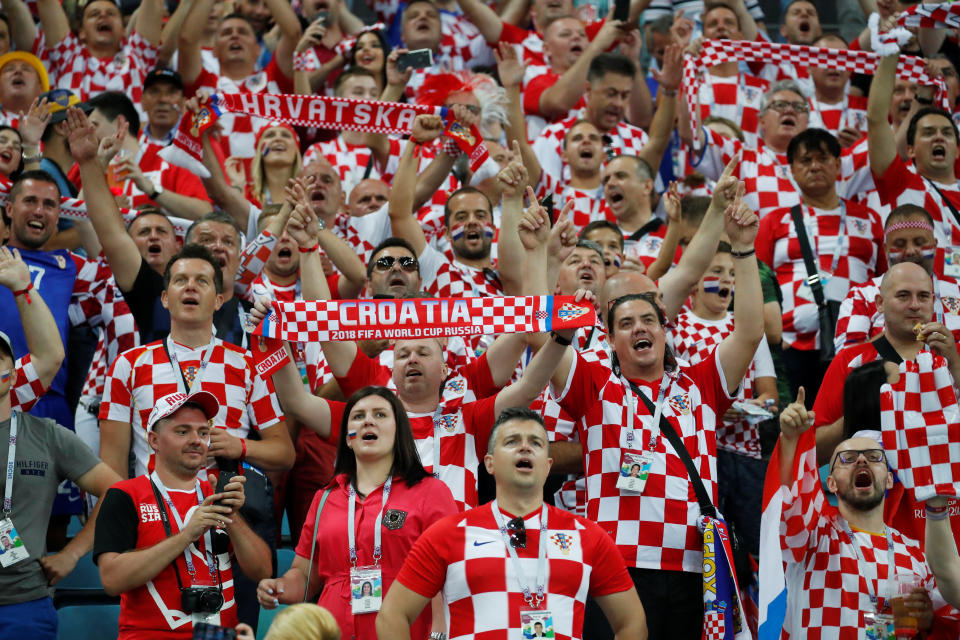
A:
{"points": [[743, 254], [243, 450], [670, 93], [310, 250], [438, 635], [25, 292], [559, 339]]}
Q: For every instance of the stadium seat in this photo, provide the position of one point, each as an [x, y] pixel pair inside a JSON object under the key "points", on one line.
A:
{"points": [[266, 619], [89, 622], [284, 560], [84, 576]]}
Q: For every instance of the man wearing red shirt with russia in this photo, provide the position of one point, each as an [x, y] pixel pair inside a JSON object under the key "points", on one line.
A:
{"points": [[506, 566], [165, 539]]}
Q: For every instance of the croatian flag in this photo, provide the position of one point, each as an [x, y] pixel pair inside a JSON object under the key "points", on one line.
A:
{"points": [[773, 583], [724, 617]]}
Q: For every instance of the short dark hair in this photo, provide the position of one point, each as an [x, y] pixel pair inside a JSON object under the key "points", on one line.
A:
{"points": [[386, 244], [926, 111], [710, 6], [724, 247], [237, 16], [19, 166], [661, 25], [605, 63], [642, 167], [113, 104], [693, 208], [217, 215], [669, 361], [462, 190], [813, 139], [783, 11], [602, 224], [512, 413], [583, 243], [198, 252], [150, 210], [352, 72], [406, 460], [905, 211], [37, 175], [861, 398]]}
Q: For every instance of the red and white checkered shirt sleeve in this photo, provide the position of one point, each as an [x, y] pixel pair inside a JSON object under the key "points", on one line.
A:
{"points": [[28, 388], [803, 501], [252, 259], [264, 408], [118, 333], [859, 319], [117, 401]]}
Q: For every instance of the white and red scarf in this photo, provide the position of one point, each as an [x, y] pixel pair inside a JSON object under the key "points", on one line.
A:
{"points": [[945, 15]]}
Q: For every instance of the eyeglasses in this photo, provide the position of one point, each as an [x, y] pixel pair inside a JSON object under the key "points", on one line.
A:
{"points": [[782, 105], [386, 263], [518, 533], [850, 456]]}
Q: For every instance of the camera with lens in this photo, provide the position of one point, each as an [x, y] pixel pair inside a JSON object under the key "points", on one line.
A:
{"points": [[201, 599]]}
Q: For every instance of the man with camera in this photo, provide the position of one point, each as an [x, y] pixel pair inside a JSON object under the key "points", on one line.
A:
{"points": [[167, 537]]}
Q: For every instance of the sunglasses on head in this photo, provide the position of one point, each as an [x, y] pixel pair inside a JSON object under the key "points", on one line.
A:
{"points": [[518, 533], [386, 263]]}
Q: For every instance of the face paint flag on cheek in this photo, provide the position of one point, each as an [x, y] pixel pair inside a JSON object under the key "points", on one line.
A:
{"points": [[351, 435], [711, 285], [4, 375]]}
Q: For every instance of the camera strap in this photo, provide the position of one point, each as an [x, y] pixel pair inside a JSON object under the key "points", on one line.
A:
{"points": [[163, 497]]}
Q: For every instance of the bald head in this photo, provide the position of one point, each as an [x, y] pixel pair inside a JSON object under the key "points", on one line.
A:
{"points": [[904, 272], [906, 300], [625, 283]]}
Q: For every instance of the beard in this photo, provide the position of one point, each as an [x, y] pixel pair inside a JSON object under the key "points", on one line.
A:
{"points": [[862, 502], [472, 254]]}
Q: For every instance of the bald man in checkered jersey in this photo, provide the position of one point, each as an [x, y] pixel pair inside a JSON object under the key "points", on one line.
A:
{"points": [[506, 566]]}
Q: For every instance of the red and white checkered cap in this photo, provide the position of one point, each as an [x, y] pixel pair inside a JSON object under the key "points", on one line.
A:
{"points": [[169, 404]]}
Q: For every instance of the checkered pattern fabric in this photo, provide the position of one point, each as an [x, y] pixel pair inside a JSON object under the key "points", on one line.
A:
{"points": [[829, 588], [238, 131], [945, 15], [464, 557], [647, 247], [656, 529], [72, 66], [625, 139], [28, 388], [587, 205], [920, 422], [117, 329], [901, 184], [713, 625], [778, 246], [349, 160], [140, 376], [252, 260], [736, 98], [306, 61], [9, 119], [850, 113], [457, 280], [457, 51], [714, 52], [695, 340]]}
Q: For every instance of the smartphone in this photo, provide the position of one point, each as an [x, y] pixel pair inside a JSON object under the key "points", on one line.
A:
{"points": [[547, 204], [205, 631], [228, 468], [419, 59], [621, 10], [321, 17]]}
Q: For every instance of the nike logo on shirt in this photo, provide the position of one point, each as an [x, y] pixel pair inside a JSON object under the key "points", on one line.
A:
{"points": [[477, 543]]}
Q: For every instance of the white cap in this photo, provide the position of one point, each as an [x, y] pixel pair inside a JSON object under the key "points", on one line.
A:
{"points": [[169, 404]]}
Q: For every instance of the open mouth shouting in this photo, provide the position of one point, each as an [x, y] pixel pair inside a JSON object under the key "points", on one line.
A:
{"points": [[642, 346], [863, 479], [938, 152], [524, 463]]}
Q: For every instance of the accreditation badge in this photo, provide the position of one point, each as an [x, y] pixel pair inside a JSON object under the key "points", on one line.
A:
{"points": [[634, 469], [12, 550], [536, 624], [366, 589]]}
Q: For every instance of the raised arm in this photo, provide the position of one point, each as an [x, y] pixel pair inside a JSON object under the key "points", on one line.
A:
{"points": [[400, 208], [223, 195], [345, 259], [53, 21], [121, 252], [794, 420], [189, 39], [486, 20], [882, 145], [511, 261], [941, 550], [661, 127], [23, 31], [39, 327], [510, 70], [171, 33], [289, 25], [557, 101], [150, 21]]}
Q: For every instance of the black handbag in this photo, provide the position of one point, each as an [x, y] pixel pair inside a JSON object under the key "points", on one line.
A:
{"points": [[827, 310]]}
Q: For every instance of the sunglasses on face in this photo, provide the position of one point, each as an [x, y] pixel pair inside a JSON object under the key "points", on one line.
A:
{"points": [[518, 533], [852, 455], [386, 263]]}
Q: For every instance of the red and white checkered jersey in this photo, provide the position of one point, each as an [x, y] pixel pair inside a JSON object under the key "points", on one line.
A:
{"points": [[736, 98], [363, 234], [849, 113], [457, 51], [238, 131], [349, 160], [645, 243], [829, 588], [625, 139], [767, 176], [658, 528], [464, 556], [901, 184], [142, 375], [27, 388], [860, 320], [695, 339], [9, 118], [169, 176], [860, 256], [117, 329], [444, 278], [72, 66], [465, 422], [587, 205], [531, 44]]}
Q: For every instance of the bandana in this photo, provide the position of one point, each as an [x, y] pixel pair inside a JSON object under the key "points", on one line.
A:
{"points": [[270, 125], [716, 52], [920, 422], [931, 16], [408, 319], [186, 150], [909, 224]]}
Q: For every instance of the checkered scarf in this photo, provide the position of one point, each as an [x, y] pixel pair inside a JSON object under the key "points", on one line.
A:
{"points": [[337, 320], [932, 16], [920, 423], [716, 52]]}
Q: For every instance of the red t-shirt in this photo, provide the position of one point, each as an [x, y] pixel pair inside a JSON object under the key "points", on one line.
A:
{"points": [[534, 91], [828, 406]]}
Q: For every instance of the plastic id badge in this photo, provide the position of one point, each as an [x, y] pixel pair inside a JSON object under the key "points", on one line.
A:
{"points": [[12, 550], [366, 589], [536, 624], [634, 469], [951, 264]]}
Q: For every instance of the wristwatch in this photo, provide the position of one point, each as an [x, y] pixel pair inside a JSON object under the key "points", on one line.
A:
{"points": [[157, 190], [321, 224], [438, 635], [32, 157]]}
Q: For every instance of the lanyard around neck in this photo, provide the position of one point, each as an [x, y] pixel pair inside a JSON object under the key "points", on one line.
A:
{"points": [[208, 546], [437, 415], [628, 385], [182, 385], [11, 463], [891, 572], [529, 597], [351, 523]]}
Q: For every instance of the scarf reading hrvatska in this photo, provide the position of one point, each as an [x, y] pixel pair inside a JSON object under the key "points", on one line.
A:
{"points": [[337, 320], [325, 112]]}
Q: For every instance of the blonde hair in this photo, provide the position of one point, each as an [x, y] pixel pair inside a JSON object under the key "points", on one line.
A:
{"points": [[304, 621], [259, 180]]}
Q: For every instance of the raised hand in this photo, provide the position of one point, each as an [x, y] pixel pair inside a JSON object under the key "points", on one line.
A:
{"points": [[682, 30], [726, 188], [111, 145], [14, 273], [509, 67], [795, 419], [426, 128], [671, 73], [81, 139], [302, 226], [34, 122], [534, 227], [671, 202], [741, 224], [395, 77], [513, 177], [312, 36], [563, 236]]}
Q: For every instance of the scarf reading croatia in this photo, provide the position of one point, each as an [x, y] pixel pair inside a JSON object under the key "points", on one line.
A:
{"points": [[337, 320]]}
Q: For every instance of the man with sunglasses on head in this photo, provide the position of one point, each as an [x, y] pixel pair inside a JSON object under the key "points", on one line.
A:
{"points": [[505, 567], [842, 564]]}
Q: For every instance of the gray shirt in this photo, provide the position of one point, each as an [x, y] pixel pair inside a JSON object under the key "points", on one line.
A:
{"points": [[47, 453]]}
